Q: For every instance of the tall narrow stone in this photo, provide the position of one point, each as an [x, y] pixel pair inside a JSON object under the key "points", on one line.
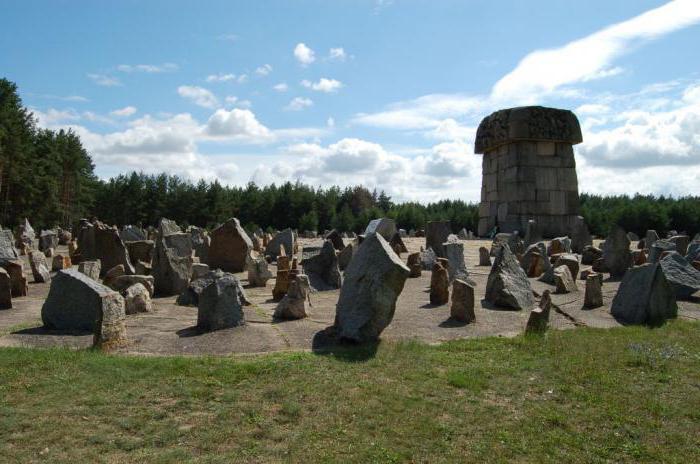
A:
{"points": [[617, 256], [436, 233], [229, 247], [538, 321], [462, 307], [439, 285], [593, 297]]}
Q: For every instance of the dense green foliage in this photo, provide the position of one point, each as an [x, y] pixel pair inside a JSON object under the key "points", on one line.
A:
{"points": [[47, 176]]}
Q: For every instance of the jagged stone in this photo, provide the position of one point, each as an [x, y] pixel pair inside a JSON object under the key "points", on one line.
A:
{"points": [[199, 270], [112, 274], [498, 241], [201, 242], [90, 268], [580, 236], [293, 304], [396, 244], [322, 268], [559, 245], [345, 256], [681, 242], [5, 290], [258, 272], [645, 297], [372, 283], [120, 283], [571, 261], [436, 233], [507, 284], [15, 268], [563, 280], [110, 249], [462, 307], [383, 226], [230, 245], [650, 238], [171, 271], [39, 267], [484, 256], [7, 245], [593, 296], [456, 267], [137, 299], [658, 248], [131, 233], [77, 302], [141, 250], [427, 259], [220, 305], [335, 239], [281, 285], [617, 256], [48, 239], [284, 240], [439, 285], [60, 262], [180, 243], [639, 257], [26, 235], [538, 321], [590, 254], [632, 237], [533, 233], [693, 251], [414, 265], [683, 277], [534, 262]]}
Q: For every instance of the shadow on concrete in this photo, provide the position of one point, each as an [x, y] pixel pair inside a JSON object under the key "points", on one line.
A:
{"points": [[192, 331], [432, 305], [490, 306], [41, 330], [452, 323], [326, 343]]}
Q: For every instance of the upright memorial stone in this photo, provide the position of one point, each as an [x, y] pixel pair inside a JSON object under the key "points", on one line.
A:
{"points": [[529, 171], [229, 247]]}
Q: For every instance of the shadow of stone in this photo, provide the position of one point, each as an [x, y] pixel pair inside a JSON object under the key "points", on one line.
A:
{"points": [[326, 343], [432, 305], [41, 330], [488, 305], [192, 331], [452, 323]]}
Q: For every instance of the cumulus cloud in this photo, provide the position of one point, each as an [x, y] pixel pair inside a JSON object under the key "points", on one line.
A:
{"points": [[323, 85], [124, 112], [237, 124], [104, 80], [198, 95], [148, 68], [337, 54], [303, 54], [298, 104], [281, 87], [263, 70], [544, 71]]}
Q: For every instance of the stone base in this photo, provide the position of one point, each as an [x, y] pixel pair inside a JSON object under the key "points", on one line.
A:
{"points": [[551, 226]]}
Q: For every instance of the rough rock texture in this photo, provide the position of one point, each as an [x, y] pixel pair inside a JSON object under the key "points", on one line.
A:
{"points": [[5, 290], [335, 239], [180, 243], [77, 302], [650, 238], [258, 272], [90, 268], [60, 262], [220, 305], [529, 171], [590, 254], [286, 238], [681, 242], [484, 256], [230, 245], [48, 239], [683, 277], [171, 271], [693, 251], [110, 249], [462, 307], [569, 260], [538, 321], [137, 299], [39, 267], [293, 305], [123, 282], [7, 245], [201, 243], [533, 233], [658, 248], [199, 270], [131, 233], [322, 268], [580, 235], [27, 235], [372, 283], [456, 267], [593, 297], [644, 297], [15, 268], [396, 244], [563, 280], [345, 256], [141, 250], [436, 233], [414, 265], [507, 284], [535, 262], [383, 226], [498, 241], [439, 285], [617, 257], [281, 284], [427, 259], [559, 245], [639, 257]]}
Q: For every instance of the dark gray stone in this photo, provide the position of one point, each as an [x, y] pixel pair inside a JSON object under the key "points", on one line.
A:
{"points": [[220, 305], [48, 239], [7, 245], [658, 248], [538, 321], [436, 233], [110, 249], [507, 284], [39, 267], [456, 267], [230, 246], [617, 256], [287, 239], [681, 274], [131, 233], [322, 268], [580, 236], [384, 226], [645, 297]]}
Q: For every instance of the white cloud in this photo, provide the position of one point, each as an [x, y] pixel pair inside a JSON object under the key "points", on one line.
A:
{"points": [[104, 80], [148, 68], [237, 102], [544, 71], [237, 124], [263, 70], [303, 54], [53, 117], [198, 95], [330, 122], [337, 54], [281, 87], [323, 85], [298, 104], [124, 112], [221, 77]]}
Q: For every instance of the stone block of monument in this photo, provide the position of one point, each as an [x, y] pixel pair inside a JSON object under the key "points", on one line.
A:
{"points": [[528, 170]]}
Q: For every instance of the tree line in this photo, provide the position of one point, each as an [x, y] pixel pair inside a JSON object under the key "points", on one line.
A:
{"points": [[48, 177]]}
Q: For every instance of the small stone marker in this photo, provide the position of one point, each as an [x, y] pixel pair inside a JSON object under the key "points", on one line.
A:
{"points": [[39, 267], [281, 285], [538, 321], [137, 299], [258, 272], [15, 268], [593, 297], [5, 290], [293, 305], [414, 265], [90, 268], [563, 280], [219, 305], [462, 307], [439, 285], [484, 256], [60, 262]]}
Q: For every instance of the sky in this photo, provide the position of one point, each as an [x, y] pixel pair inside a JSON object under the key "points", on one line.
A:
{"points": [[381, 93]]}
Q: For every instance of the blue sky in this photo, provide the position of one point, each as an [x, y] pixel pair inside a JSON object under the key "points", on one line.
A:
{"points": [[382, 93]]}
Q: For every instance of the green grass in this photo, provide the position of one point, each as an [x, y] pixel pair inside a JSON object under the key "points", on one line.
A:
{"points": [[621, 395]]}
